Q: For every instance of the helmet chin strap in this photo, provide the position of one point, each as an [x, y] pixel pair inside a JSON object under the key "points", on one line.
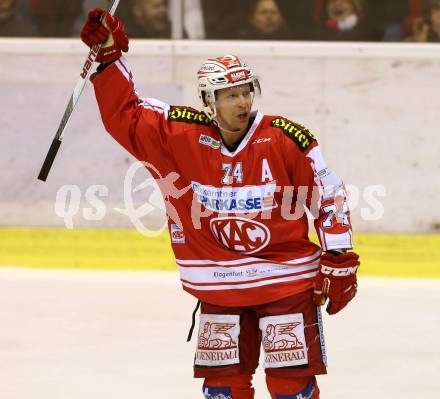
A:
{"points": [[223, 129], [213, 117]]}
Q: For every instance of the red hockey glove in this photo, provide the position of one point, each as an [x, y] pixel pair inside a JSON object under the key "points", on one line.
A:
{"points": [[101, 27], [336, 281]]}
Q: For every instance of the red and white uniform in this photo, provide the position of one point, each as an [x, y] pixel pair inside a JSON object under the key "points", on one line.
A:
{"points": [[239, 230]]}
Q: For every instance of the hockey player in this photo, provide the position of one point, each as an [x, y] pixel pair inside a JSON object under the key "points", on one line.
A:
{"points": [[241, 238]]}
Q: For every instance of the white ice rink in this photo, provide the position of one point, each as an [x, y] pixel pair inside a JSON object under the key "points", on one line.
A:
{"points": [[114, 335]]}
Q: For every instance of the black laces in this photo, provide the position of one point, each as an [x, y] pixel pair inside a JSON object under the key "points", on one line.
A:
{"points": [[193, 323]]}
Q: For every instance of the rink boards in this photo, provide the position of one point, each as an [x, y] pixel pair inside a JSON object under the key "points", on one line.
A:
{"points": [[392, 255]]}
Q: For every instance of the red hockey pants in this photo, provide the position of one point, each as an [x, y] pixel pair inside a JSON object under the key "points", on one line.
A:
{"points": [[283, 327]]}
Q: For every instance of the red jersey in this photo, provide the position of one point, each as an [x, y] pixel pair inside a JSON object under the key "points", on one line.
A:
{"points": [[237, 220]]}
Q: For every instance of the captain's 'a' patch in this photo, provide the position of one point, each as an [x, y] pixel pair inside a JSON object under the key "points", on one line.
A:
{"points": [[299, 134], [188, 115]]}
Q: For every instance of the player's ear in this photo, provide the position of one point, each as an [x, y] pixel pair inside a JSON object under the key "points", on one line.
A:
{"points": [[209, 101], [204, 99]]}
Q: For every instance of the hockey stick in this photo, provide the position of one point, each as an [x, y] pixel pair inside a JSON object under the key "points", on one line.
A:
{"points": [[83, 76]]}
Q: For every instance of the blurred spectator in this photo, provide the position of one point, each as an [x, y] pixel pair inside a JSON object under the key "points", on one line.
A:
{"points": [[193, 19], [346, 20], [220, 22], [146, 18], [388, 17], [12, 22], [298, 15], [427, 28], [56, 18], [265, 22]]}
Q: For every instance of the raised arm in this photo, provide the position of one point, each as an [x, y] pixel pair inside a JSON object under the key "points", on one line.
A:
{"points": [[139, 125]]}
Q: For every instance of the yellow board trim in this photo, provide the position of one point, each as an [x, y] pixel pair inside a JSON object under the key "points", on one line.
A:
{"points": [[388, 255]]}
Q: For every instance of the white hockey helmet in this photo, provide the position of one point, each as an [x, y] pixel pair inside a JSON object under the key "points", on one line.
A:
{"points": [[222, 73]]}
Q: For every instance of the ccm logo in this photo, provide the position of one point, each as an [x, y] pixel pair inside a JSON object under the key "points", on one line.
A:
{"points": [[340, 272], [263, 140]]}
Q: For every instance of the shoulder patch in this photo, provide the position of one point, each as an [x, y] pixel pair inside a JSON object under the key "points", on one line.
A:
{"points": [[188, 115], [299, 134]]}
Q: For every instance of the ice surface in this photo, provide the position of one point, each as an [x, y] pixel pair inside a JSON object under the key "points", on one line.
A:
{"points": [[83, 334]]}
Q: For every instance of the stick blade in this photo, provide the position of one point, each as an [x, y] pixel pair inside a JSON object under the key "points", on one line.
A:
{"points": [[51, 154]]}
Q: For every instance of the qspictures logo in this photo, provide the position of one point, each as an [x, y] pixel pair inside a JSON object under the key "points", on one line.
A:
{"points": [[233, 208]]}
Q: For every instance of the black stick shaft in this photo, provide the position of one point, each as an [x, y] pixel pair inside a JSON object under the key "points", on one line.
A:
{"points": [[50, 157], [56, 143]]}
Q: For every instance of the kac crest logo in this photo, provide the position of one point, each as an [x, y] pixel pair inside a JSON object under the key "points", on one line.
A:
{"points": [[240, 234]]}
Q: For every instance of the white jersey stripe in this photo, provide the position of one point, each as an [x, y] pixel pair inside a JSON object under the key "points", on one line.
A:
{"points": [[148, 103], [155, 105], [209, 275], [248, 285], [124, 64], [244, 261], [310, 258], [155, 109], [122, 69]]}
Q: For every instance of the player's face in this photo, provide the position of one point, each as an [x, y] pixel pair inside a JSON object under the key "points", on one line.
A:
{"points": [[153, 12], [233, 107], [6, 8], [340, 9], [267, 17], [435, 17]]}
